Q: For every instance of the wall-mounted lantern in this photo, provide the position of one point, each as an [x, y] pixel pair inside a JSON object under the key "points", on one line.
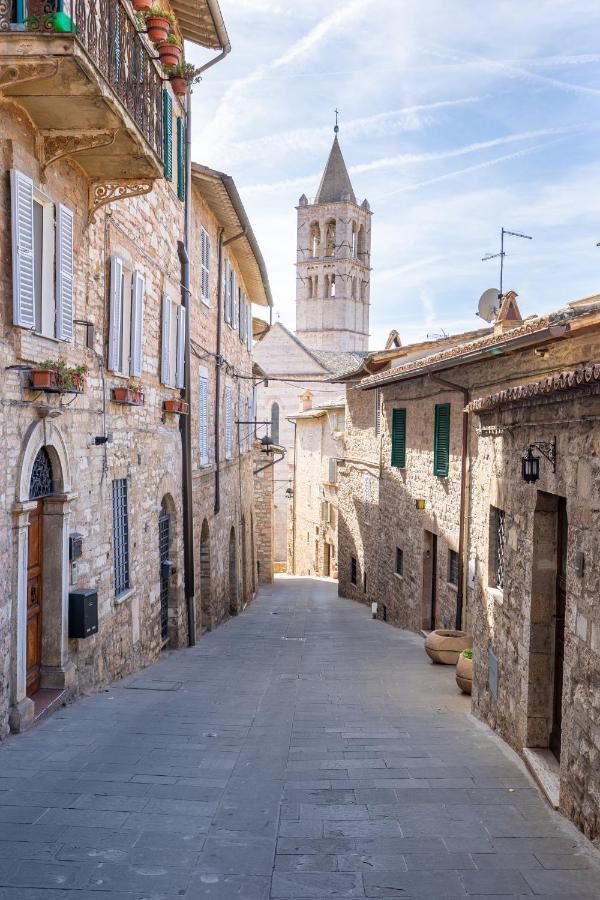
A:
{"points": [[530, 464], [266, 444], [420, 503]]}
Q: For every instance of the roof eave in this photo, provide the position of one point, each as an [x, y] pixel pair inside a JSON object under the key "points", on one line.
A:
{"points": [[189, 19]]}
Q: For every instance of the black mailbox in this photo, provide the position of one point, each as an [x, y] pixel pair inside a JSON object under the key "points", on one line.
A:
{"points": [[83, 613]]}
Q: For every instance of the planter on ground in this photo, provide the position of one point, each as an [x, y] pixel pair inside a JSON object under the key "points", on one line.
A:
{"points": [[444, 646], [464, 672]]}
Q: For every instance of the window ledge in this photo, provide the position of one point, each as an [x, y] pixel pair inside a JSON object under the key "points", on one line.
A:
{"points": [[205, 302], [124, 596], [496, 595], [398, 576], [451, 586]]}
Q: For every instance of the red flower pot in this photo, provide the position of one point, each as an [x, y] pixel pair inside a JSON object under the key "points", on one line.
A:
{"points": [[158, 28], [42, 379], [169, 54], [175, 406], [142, 5], [127, 395], [179, 85]]}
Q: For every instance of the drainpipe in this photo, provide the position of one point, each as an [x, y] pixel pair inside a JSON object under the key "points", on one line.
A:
{"points": [[451, 386], [219, 362]]}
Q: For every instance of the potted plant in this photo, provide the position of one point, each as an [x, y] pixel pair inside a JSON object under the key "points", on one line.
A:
{"points": [[182, 77], [175, 406], [142, 5], [132, 393], [464, 671], [169, 51], [73, 379], [45, 376], [56, 375], [158, 23]]}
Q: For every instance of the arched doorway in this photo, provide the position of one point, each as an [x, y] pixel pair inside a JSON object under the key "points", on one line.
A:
{"points": [[233, 575], [41, 486], [244, 565], [205, 588]]}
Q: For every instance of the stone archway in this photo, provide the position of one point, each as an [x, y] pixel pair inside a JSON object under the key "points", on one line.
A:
{"points": [[233, 574], [50, 521]]}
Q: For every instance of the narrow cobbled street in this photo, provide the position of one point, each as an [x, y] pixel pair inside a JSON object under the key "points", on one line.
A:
{"points": [[301, 750]]}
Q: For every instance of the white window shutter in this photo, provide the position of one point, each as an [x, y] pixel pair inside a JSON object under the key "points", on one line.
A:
{"points": [[203, 420], [228, 423], [165, 362], [137, 323], [181, 326], [249, 334], [22, 249], [64, 274], [116, 314]]}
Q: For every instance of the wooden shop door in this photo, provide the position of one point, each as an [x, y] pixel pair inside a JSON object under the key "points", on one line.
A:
{"points": [[562, 535], [34, 598], [429, 589]]}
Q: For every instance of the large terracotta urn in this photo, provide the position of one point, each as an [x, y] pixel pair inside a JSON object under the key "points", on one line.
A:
{"points": [[464, 672], [445, 645]]}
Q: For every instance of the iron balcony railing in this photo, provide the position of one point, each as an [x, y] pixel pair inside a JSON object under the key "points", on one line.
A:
{"points": [[107, 31]]}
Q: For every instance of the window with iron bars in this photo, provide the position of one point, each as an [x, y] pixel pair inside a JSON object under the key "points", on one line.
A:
{"points": [[497, 547], [120, 535], [453, 567], [399, 561]]}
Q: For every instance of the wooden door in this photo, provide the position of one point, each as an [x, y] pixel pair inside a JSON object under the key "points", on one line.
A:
{"points": [[559, 626], [34, 598], [327, 560], [428, 600]]}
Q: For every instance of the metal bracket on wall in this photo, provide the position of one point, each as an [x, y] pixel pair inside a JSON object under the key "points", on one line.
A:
{"points": [[103, 192]]}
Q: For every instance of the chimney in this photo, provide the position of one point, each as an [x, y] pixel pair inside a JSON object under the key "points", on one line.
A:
{"points": [[508, 314], [306, 401]]}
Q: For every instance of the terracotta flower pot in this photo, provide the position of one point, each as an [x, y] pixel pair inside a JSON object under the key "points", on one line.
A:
{"points": [[179, 85], [42, 379], [175, 406], [158, 28], [445, 646], [128, 395], [169, 54], [142, 5], [464, 673]]}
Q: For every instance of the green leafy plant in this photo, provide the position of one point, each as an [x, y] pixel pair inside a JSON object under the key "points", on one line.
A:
{"points": [[468, 654], [184, 70], [158, 12], [140, 20], [173, 39], [69, 378]]}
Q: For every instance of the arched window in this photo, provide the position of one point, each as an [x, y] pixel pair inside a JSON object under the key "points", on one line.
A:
{"points": [[315, 239], [332, 286], [363, 290], [361, 244], [42, 482], [354, 239], [315, 292], [330, 238], [275, 423]]}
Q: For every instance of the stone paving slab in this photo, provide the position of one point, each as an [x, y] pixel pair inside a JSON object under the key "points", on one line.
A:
{"points": [[314, 753]]}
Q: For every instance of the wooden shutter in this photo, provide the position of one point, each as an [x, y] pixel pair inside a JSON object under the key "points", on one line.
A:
{"points": [[226, 287], [242, 315], [22, 249], [115, 331], [228, 422], [234, 298], [249, 327], [137, 323], [205, 259], [168, 133], [180, 158], [165, 362], [181, 327], [203, 420], [441, 441], [333, 470], [64, 274], [399, 438]]}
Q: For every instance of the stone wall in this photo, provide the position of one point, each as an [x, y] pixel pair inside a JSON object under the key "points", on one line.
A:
{"points": [[264, 519]]}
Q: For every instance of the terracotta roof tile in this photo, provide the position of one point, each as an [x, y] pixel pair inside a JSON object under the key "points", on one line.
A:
{"points": [[555, 384]]}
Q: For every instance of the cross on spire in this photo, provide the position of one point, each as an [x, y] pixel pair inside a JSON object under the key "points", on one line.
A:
{"points": [[337, 127]]}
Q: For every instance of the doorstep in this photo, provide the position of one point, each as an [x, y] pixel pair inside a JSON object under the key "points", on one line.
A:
{"points": [[545, 769], [45, 702]]}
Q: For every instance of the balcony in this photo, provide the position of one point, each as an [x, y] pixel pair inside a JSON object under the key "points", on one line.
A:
{"points": [[94, 91]]}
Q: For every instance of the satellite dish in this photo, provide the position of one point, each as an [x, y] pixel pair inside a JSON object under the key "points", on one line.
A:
{"points": [[489, 303]]}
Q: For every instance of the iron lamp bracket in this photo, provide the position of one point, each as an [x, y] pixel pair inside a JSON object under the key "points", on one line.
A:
{"points": [[547, 449]]}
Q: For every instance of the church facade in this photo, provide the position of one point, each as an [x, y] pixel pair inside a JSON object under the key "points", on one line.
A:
{"points": [[332, 321]]}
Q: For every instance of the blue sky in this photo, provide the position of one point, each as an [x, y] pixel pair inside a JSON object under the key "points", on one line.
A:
{"points": [[456, 119]]}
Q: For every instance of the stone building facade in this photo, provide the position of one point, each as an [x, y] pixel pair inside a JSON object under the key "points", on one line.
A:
{"points": [[516, 567], [264, 518], [93, 222], [318, 443]]}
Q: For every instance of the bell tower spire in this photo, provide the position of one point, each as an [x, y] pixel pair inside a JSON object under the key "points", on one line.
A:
{"points": [[333, 269]]}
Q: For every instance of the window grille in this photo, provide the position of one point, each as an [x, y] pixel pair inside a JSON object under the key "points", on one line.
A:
{"points": [[399, 561], [453, 567], [499, 545], [120, 535], [41, 484], [377, 411]]}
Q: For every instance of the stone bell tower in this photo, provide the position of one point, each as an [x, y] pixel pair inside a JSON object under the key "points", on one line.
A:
{"points": [[333, 268]]}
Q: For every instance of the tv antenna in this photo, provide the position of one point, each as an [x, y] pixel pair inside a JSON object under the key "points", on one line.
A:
{"points": [[502, 253]]}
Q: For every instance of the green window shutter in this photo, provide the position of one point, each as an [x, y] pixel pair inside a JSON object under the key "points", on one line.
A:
{"points": [[180, 158], [168, 133], [441, 441], [399, 438]]}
